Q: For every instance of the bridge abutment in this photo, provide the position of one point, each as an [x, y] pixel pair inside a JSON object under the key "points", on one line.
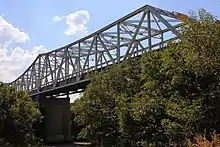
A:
{"points": [[57, 119]]}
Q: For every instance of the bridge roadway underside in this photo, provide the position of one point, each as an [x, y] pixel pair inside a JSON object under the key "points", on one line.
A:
{"points": [[68, 86]]}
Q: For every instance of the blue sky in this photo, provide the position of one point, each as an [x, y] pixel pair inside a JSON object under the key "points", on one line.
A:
{"points": [[35, 16], [29, 27]]}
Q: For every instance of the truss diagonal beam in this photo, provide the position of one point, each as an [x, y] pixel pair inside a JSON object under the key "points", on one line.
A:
{"points": [[144, 29]]}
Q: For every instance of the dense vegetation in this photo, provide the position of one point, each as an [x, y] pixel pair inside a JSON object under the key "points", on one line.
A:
{"points": [[18, 115], [162, 99]]}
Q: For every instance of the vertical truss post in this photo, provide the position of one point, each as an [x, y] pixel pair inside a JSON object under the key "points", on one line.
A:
{"points": [[96, 53], [66, 64], [23, 83], [149, 30], [78, 63], [32, 79], [17, 85], [39, 74], [55, 66], [46, 64], [118, 43], [51, 71], [27, 82]]}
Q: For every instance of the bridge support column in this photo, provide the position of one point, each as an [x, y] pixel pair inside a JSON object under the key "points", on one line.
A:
{"points": [[67, 121], [57, 119]]}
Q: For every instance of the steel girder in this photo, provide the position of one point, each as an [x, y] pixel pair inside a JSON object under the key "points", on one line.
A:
{"points": [[143, 30]]}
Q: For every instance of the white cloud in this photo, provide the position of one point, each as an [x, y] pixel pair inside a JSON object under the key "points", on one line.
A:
{"points": [[58, 18], [9, 34], [13, 62], [39, 49], [13, 65], [76, 22]]}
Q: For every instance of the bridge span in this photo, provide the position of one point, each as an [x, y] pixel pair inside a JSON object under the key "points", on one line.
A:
{"points": [[62, 71]]}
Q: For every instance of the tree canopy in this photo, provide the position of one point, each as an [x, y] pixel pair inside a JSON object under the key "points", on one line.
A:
{"points": [[18, 113]]}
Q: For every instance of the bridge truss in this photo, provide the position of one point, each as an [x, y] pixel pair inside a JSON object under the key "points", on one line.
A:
{"points": [[141, 31]]}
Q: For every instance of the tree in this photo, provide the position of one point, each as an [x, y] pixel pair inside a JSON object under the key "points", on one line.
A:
{"points": [[165, 116], [18, 113], [104, 107], [180, 94]]}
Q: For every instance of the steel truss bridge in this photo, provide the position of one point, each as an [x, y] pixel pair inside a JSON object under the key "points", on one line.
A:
{"points": [[63, 70]]}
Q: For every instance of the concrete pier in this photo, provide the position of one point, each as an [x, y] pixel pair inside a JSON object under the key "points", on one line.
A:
{"points": [[57, 119]]}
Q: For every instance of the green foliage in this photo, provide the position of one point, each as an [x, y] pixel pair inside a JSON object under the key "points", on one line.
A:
{"points": [[161, 99], [18, 114], [104, 107]]}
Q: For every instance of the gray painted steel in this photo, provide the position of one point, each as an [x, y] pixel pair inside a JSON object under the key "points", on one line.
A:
{"points": [[63, 70]]}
